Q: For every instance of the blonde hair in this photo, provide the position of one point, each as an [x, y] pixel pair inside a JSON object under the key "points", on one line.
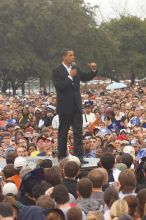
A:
{"points": [[118, 208], [54, 216], [93, 215]]}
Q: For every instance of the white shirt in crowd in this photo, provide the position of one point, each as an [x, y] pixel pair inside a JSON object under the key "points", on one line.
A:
{"points": [[55, 122], [88, 118]]}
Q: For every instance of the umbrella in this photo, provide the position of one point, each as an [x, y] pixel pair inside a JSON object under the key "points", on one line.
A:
{"points": [[116, 85]]}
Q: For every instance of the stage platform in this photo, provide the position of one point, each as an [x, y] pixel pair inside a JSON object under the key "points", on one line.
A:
{"points": [[33, 160]]}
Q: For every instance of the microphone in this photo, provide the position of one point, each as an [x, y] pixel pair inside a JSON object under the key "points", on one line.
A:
{"points": [[73, 65]]}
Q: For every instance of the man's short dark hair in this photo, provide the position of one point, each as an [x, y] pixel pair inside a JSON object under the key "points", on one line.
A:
{"points": [[47, 163], [6, 134], [74, 213], [11, 157], [107, 160], [9, 170], [96, 177], [6, 210], [71, 169], [84, 187], [45, 202], [60, 194], [65, 51], [127, 159], [53, 176]]}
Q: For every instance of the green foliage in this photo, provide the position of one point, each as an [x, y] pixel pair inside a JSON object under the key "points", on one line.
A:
{"points": [[130, 32], [32, 34]]}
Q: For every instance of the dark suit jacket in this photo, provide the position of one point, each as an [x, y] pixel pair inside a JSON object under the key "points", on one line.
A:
{"points": [[68, 91], [71, 185]]}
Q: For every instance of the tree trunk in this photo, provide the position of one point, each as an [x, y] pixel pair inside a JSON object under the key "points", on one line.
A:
{"points": [[14, 88], [4, 86], [42, 83], [23, 88]]}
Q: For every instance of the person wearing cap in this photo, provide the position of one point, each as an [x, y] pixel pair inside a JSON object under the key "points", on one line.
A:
{"points": [[48, 147], [9, 189], [40, 144], [19, 163], [129, 150], [88, 115]]}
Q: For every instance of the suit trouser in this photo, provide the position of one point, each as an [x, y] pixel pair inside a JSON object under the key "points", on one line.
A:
{"points": [[65, 121]]}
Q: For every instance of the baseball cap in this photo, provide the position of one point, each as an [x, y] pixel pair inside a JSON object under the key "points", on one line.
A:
{"points": [[9, 188], [16, 127], [129, 150], [20, 162]]}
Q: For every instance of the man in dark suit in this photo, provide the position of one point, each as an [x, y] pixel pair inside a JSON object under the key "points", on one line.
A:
{"points": [[66, 78]]}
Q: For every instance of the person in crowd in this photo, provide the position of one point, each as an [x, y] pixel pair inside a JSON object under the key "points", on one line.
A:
{"points": [[118, 208], [61, 197], [127, 182], [7, 144], [107, 161], [53, 176], [110, 196], [19, 163], [96, 176], [132, 204], [24, 119], [45, 202], [74, 213], [85, 201], [20, 151], [71, 171], [88, 115], [6, 211], [142, 185], [141, 197]]}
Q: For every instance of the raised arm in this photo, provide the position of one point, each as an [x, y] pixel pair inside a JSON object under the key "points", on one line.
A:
{"points": [[86, 76]]}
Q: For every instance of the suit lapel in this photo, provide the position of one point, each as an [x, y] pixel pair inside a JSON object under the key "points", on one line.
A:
{"points": [[64, 70]]}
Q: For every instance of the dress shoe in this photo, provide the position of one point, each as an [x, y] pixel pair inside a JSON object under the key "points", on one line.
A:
{"points": [[82, 161]]}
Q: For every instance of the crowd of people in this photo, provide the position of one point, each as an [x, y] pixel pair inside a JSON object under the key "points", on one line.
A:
{"points": [[114, 131]]}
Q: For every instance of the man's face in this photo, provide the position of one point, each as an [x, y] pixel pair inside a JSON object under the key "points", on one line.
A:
{"points": [[98, 142], [135, 100], [20, 152], [41, 145], [69, 57], [87, 110], [22, 142], [93, 143], [86, 145], [137, 112], [102, 108], [7, 140]]}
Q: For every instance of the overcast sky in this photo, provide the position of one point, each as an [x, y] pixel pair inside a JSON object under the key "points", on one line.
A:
{"points": [[112, 8]]}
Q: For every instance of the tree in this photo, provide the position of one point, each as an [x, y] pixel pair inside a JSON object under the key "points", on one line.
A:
{"points": [[130, 32]]}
